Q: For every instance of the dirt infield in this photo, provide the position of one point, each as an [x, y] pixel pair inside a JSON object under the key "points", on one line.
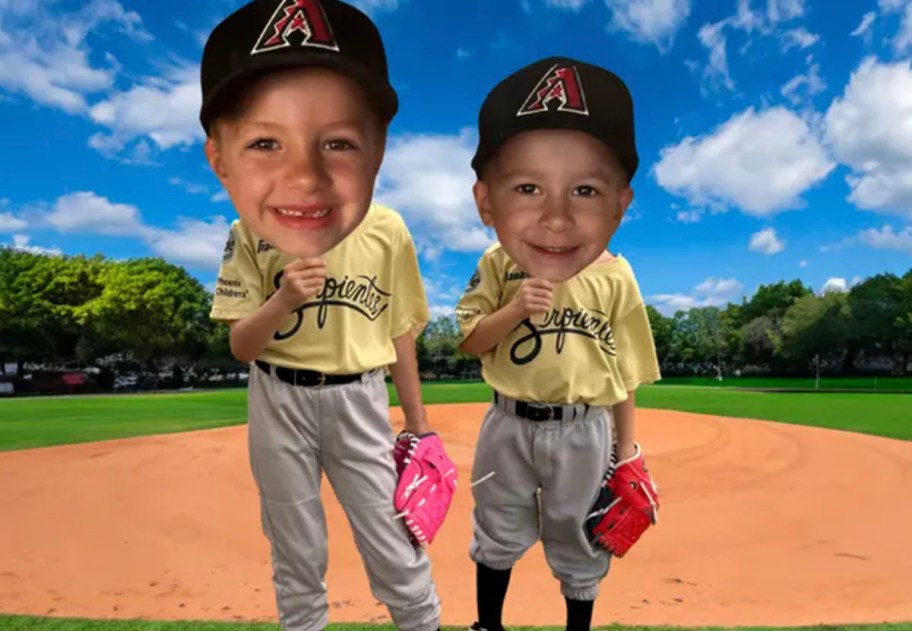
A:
{"points": [[762, 523]]}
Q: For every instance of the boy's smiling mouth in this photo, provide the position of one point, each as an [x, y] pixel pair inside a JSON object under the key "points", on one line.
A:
{"points": [[555, 251], [310, 217]]}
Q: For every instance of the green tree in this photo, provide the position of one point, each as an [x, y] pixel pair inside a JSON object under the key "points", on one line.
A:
{"points": [[758, 341], [149, 309], [903, 322], [878, 311], [773, 300], [40, 297], [814, 330], [662, 332], [702, 335]]}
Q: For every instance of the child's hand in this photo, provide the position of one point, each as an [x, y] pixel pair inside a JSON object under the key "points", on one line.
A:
{"points": [[534, 296], [301, 281]]}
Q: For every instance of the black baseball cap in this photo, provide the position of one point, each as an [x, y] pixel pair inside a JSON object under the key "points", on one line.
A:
{"points": [[267, 35], [559, 93]]}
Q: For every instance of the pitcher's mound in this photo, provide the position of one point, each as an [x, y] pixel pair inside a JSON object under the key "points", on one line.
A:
{"points": [[761, 524]]}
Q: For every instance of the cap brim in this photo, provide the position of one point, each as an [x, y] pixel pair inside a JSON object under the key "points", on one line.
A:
{"points": [[380, 94]]}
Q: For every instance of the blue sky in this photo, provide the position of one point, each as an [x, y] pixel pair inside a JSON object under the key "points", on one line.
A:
{"points": [[775, 136]]}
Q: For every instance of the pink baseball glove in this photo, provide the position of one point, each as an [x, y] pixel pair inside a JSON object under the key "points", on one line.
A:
{"points": [[427, 481]]}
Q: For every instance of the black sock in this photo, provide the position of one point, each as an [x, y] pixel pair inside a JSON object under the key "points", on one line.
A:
{"points": [[579, 614], [490, 592]]}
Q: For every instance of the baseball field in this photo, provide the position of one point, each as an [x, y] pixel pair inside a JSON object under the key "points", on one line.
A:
{"points": [[779, 509]]}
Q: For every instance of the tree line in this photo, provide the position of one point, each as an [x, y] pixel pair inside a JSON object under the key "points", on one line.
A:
{"points": [[787, 329], [147, 315]]}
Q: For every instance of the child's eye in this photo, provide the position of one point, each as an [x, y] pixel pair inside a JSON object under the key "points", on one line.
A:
{"points": [[527, 189], [264, 144], [339, 144], [585, 191]]}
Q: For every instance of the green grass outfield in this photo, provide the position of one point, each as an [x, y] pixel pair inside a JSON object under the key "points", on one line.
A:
{"points": [[38, 422], [877, 384], [28, 623]]}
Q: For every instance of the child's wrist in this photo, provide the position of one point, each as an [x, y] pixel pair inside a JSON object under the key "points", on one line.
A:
{"points": [[626, 449], [516, 311], [416, 422]]}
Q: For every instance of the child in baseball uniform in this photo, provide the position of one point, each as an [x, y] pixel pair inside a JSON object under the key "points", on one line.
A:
{"points": [[321, 289], [558, 321]]}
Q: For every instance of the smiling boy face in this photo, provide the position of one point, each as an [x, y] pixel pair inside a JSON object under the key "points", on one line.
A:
{"points": [[555, 198], [300, 159]]}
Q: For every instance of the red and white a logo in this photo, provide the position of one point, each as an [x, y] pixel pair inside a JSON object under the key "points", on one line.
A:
{"points": [[303, 19], [561, 83]]}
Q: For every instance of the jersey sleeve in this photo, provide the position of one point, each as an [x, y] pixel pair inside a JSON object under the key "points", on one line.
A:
{"points": [[481, 296], [239, 286], [410, 311], [636, 353]]}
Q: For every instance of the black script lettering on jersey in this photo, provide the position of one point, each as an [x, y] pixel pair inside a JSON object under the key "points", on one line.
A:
{"points": [[589, 323], [359, 293]]}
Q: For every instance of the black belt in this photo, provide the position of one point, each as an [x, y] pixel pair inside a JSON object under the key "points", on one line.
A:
{"points": [[535, 411], [299, 377]]}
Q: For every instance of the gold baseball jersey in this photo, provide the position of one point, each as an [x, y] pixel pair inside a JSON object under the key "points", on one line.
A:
{"points": [[595, 344], [373, 294]]}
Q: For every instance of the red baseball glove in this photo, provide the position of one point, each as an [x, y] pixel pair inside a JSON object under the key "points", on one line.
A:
{"points": [[427, 481], [627, 504]]}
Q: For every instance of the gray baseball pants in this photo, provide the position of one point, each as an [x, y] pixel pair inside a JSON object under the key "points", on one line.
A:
{"points": [[566, 460], [297, 432]]}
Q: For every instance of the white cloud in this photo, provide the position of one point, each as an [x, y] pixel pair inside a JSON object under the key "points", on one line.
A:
{"points": [[759, 162], [719, 287], [44, 54], [766, 241], [716, 72], [221, 196], [441, 310], [784, 10], [649, 21], [870, 129], [428, 179], [691, 215], [463, 53], [805, 85], [86, 211], [164, 109], [864, 27], [713, 292], [798, 38], [194, 243], [11, 223], [713, 36], [887, 239], [803, 263], [443, 292], [891, 6], [573, 5], [902, 41], [21, 244], [190, 187], [835, 284]]}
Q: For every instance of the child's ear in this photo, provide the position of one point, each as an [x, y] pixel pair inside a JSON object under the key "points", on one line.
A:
{"points": [[483, 201], [382, 136], [214, 156], [625, 198]]}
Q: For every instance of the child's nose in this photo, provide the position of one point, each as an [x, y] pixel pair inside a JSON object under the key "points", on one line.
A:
{"points": [[306, 169], [555, 214]]}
